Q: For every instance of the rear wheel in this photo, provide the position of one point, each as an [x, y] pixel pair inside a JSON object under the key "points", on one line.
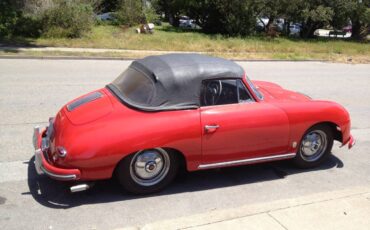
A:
{"points": [[315, 146], [147, 171]]}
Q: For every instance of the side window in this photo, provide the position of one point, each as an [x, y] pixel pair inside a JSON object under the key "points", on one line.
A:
{"points": [[222, 92]]}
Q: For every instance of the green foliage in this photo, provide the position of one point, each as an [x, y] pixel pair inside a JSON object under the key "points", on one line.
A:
{"points": [[109, 5], [221, 16], [130, 12], [73, 18], [319, 14], [238, 17], [14, 23], [28, 26], [315, 17], [150, 15], [359, 15], [67, 19], [9, 15], [174, 8], [341, 10], [270, 9]]}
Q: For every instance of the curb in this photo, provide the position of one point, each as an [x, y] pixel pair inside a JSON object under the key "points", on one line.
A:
{"points": [[63, 57], [131, 59], [122, 51]]}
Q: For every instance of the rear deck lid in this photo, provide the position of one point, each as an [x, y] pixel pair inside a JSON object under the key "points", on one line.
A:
{"points": [[88, 108]]}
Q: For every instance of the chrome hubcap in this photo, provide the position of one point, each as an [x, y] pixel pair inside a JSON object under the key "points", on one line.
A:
{"points": [[313, 145], [149, 167]]}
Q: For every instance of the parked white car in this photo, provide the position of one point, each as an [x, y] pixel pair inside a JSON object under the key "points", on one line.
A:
{"points": [[294, 30], [331, 33], [186, 22], [105, 16]]}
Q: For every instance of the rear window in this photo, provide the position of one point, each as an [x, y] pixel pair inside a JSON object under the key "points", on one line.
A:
{"points": [[135, 86]]}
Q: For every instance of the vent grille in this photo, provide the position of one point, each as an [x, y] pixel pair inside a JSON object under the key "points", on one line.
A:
{"points": [[84, 100]]}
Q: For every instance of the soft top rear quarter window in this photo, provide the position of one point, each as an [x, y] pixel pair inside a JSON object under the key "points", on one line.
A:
{"points": [[135, 86]]}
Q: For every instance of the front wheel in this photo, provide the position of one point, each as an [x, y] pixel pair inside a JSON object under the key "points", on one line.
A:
{"points": [[314, 147], [147, 171]]}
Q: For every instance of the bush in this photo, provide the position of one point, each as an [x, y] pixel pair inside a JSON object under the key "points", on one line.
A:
{"points": [[68, 19], [28, 26], [8, 17], [150, 15], [130, 13]]}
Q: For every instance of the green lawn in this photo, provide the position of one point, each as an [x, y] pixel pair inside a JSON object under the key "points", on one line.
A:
{"points": [[167, 38]]}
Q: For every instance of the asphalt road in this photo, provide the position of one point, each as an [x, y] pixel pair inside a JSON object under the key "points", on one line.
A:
{"points": [[33, 90]]}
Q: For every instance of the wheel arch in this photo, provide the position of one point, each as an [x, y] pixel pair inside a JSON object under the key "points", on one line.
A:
{"points": [[337, 134], [180, 156]]}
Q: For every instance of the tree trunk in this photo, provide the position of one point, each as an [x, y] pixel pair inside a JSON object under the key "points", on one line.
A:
{"points": [[271, 21], [287, 28], [309, 28], [356, 29]]}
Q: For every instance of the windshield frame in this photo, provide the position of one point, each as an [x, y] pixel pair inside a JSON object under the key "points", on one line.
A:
{"points": [[258, 94]]}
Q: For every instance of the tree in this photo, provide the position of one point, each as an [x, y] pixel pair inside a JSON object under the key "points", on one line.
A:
{"points": [[172, 9], [315, 17], [109, 5], [219, 16], [9, 15], [360, 18], [67, 19], [130, 12], [271, 9]]}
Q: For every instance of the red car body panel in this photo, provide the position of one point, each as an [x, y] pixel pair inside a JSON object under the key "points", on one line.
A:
{"points": [[97, 147], [246, 130], [98, 134]]}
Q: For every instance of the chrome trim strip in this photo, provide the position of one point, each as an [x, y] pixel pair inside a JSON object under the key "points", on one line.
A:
{"points": [[38, 161], [36, 133], [83, 100], [247, 161], [58, 177]]}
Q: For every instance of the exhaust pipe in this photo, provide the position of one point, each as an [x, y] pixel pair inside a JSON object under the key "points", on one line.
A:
{"points": [[80, 187]]}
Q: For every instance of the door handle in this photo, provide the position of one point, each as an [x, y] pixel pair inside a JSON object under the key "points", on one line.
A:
{"points": [[211, 128]]}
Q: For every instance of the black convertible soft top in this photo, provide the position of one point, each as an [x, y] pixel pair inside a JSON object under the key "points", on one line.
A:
{"points": [[171, 81]]}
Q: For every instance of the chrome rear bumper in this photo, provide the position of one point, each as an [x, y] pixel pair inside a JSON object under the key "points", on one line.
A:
{"points": [[43, 166]]}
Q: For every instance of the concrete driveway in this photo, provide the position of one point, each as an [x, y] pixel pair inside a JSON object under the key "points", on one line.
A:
{"points": [[33, 90]]}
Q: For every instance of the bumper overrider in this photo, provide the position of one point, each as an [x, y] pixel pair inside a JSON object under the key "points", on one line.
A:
{"points": [[43, 165], [351, 142]]}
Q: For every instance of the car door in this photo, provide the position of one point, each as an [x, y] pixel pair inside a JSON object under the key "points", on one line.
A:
{"points": [[235, 126]]}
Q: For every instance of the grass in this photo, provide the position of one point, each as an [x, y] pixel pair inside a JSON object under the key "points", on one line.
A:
{"points": [[167, 38]]}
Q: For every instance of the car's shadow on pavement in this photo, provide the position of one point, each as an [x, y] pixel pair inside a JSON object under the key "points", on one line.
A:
{"points": [[54, 194]]}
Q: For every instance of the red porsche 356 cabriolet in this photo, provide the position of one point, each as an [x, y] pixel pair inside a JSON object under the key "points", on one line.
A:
{"points": [[184, 109]]}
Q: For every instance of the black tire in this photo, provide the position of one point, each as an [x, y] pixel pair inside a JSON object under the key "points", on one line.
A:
{"points": [[303, 159], [128, 173]]}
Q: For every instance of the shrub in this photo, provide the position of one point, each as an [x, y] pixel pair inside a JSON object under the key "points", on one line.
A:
{"points": [[130, 12], [150, 15], [68, 19], [28, 26], [8, 17]]}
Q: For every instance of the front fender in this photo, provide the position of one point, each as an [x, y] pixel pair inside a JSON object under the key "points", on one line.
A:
{"points": [[303, 115]]}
